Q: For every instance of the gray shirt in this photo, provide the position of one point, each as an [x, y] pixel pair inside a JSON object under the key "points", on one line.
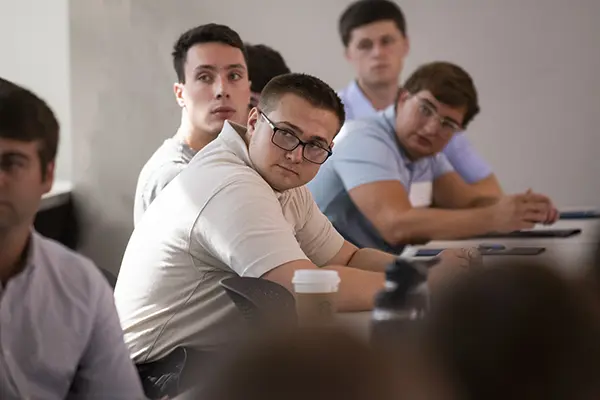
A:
{"points": [[60, 336], [164, 165]]}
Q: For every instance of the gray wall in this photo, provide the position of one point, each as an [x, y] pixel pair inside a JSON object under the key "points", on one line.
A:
{"points": [[34, 52], [533, 62]]}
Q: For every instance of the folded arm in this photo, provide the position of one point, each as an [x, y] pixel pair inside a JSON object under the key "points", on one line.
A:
{"points": [[386, 205]]}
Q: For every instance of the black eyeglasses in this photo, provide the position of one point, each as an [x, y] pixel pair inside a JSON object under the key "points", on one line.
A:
{"points": [[426, 113], [288, 141]]}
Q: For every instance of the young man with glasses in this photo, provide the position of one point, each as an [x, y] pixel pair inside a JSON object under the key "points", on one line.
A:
{"points": [[375, 40], [376, 187], [242, 208]]}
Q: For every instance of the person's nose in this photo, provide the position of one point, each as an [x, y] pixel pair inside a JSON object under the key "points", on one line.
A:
{"points": [[295, 155], [378, 50], [222, 87], [432, 126]]}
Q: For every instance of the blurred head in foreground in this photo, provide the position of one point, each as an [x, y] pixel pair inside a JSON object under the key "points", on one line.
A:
{"points": [[517, 331], [307, 365]]}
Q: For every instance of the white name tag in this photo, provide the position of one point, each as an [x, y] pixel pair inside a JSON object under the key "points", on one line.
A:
{"points": [[420, 194]]}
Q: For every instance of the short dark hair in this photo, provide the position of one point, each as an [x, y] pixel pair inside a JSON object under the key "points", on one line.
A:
{"points": [[449, 84], [264, 64], [365, 12], [308, 87], [27, 118], [209, 33]]}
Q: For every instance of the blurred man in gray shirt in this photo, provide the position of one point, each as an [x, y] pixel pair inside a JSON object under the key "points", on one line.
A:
{"points": [[60, 336]]}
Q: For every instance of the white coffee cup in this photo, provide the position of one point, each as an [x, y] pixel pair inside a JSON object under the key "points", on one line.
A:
{"points": [[316, 291]]}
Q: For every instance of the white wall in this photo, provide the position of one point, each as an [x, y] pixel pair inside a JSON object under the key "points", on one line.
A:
{"points": [[533, 62], [34, 52]]}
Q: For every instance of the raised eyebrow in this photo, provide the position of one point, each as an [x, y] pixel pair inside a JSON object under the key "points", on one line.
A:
{"points": [[429, 103], [297, 130], [291, 126], [236, 66], [214, 68], [209, 67], [319, 139], [451, 120]]}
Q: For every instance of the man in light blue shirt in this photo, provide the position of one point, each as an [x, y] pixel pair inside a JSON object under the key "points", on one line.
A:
{"points": [[374, 35], [385, 171], [60, 336]]}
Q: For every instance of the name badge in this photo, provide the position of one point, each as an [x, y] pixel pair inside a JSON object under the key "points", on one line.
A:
{"points": [[420, 194]]}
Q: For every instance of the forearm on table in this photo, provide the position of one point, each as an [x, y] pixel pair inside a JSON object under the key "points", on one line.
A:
{"points": [[483, 201], [357, 288], [419, 225], [371, 260], [488, 187]]}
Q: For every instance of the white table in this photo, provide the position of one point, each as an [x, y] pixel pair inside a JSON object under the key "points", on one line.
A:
{"points": [[571, 256]]}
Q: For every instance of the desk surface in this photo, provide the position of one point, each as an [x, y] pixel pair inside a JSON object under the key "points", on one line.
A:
{"points": [[58, 195], [570, 255]]}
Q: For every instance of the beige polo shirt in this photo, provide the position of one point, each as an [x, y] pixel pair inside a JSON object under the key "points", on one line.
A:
{"points": [[216, 219]]}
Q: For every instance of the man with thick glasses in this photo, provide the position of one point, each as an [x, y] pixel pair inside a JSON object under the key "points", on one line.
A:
{"points": [[241, 207], [315, 151], [377, 186]]}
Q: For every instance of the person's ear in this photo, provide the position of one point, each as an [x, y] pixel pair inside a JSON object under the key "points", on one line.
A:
{"points": [[347, 54], [406, 47], [48, 178], [402, 97], [178, 90], [253, 117]]}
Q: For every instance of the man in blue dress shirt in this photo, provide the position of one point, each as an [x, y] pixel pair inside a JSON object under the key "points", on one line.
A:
{"points": [[386, 169], [376, 42]]}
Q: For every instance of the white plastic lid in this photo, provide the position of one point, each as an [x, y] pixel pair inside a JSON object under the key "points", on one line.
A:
{"points": [[316, 281], [316, 276]]}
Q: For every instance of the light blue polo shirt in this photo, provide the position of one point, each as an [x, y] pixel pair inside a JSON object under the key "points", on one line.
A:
{"points": [[366, 151], [463, 157]]}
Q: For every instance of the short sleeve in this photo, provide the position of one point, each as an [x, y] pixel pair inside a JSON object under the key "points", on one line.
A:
{"points": [[365, 155], [243, 226], [318, 238], [440, 165], [465, 159]]}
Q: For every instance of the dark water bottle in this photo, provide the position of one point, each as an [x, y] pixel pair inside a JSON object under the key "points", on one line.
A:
{"points": [[403, 301]]}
